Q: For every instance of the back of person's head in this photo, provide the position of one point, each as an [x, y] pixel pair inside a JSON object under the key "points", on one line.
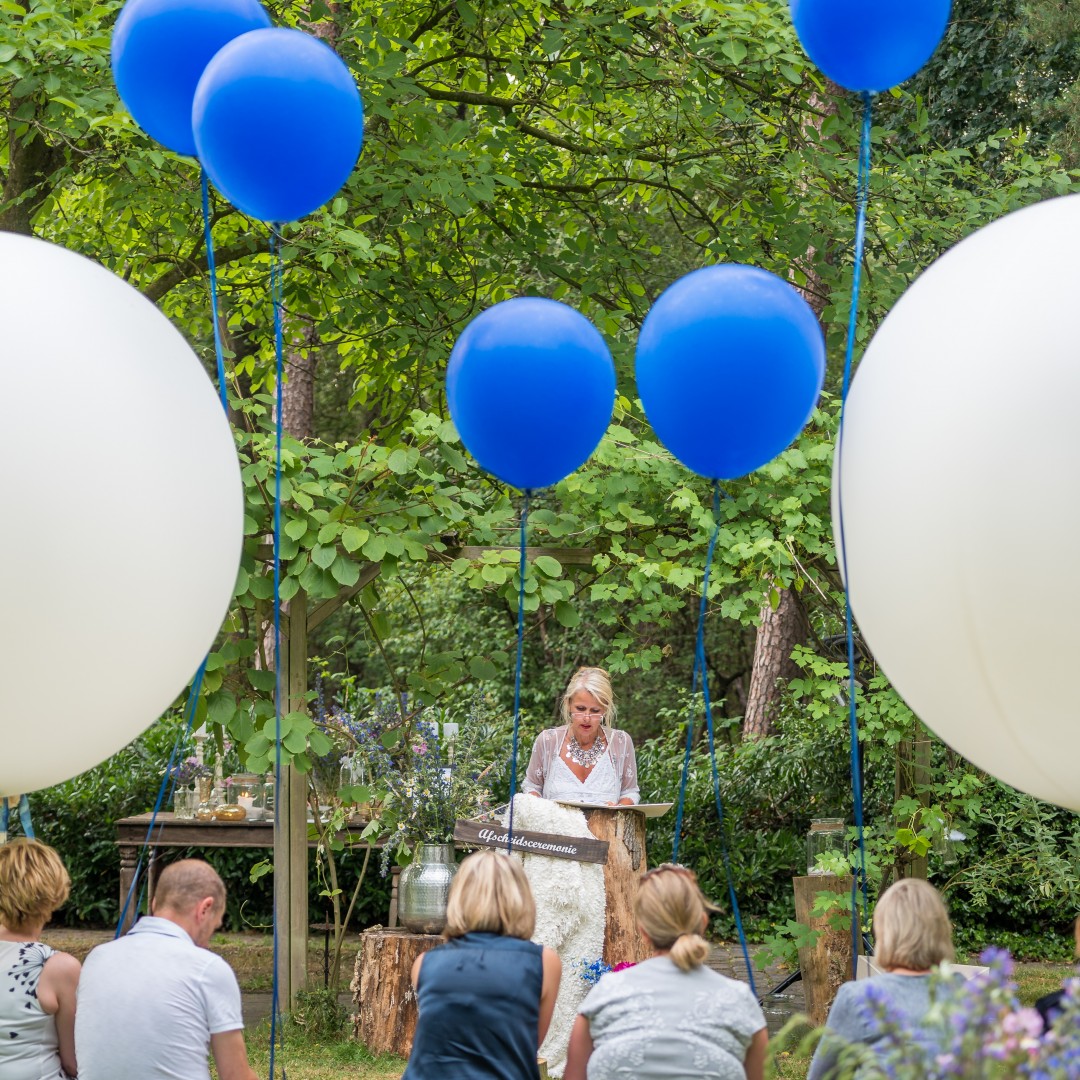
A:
{"points": [[595, 681], [33, 883], [185, 884], [911, 926], [490, 893], [672, 911]]}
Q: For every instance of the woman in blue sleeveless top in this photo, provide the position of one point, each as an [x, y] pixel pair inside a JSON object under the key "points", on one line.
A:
{"points": [[487, 995]]}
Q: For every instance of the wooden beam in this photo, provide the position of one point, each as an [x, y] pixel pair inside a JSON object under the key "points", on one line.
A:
{"points": [[322, 611], [566, 555]]}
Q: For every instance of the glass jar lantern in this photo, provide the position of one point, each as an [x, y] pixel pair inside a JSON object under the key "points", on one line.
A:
{"points": [[247, 790], [826, 835]]}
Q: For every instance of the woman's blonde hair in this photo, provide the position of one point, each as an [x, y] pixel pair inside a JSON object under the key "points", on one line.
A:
{"points": [[911, 926], [595, 681], [33, 883], [490, 893], [672, 910]]}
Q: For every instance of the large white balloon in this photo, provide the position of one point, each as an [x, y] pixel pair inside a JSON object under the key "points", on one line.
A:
{"points": [[124, 514], [960, 480]]}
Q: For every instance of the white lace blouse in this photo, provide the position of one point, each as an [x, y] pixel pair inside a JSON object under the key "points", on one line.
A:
{"points": [[616, 772]]}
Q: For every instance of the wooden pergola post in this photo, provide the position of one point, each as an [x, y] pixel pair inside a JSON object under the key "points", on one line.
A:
{"points": [[290, 820], [913, 777]]}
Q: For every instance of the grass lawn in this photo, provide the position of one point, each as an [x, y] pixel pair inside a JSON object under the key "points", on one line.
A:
{"points": [[316, 1058]]}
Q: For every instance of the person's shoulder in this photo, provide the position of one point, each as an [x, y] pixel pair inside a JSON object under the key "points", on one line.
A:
{"points": [[63, 965], [852, 994], [217, 966], [620, 739]]}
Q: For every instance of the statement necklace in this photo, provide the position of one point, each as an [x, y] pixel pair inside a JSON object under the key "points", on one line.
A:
{"points": [[585, 758]]}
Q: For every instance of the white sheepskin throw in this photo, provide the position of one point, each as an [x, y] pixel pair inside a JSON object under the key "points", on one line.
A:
{"points": [[571, 906]]}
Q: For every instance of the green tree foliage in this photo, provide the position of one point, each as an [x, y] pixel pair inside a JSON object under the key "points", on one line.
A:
{"points": [[591, 150]]}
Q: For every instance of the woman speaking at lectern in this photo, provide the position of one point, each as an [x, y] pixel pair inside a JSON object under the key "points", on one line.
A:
{"points": [[585, 760]]}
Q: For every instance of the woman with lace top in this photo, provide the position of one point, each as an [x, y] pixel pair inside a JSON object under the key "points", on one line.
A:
{"points": [[37, 985], [586, 760]]}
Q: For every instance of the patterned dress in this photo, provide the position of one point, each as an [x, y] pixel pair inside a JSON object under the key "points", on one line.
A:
{"points": [[29, 1049]]}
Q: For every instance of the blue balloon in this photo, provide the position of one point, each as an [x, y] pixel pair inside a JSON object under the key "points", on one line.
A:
{"points": [[159, 50], [870, 44], [531, 386], [278, 123], [730, 362]]}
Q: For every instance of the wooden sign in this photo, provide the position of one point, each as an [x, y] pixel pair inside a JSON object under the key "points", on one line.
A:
{"points": [[488, 834]]}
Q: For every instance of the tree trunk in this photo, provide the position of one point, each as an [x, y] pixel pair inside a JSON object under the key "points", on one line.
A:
{"points": [[781, 629], [27, 180], [624, 830], [385, 1017], [827, 964], [298, 394], [784, 627]]}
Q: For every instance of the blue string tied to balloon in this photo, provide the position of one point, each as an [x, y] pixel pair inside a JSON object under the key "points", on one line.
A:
{"points": [[277, 295], [518, 666], [505, 370], [701, 677], [165, 791], [862, 201]]}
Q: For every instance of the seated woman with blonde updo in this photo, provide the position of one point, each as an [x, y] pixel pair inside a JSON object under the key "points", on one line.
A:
{"points": [[669, 1016], [586, 760]]}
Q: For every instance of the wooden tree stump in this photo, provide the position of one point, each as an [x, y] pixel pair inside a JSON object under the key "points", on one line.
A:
{"points": [[624, 830], [385, 1017], [828, 963]]}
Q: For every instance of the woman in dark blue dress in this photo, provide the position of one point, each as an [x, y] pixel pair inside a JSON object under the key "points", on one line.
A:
{"points": [[487, 995]]}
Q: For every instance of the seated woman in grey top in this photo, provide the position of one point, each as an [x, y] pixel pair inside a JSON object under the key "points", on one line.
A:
{"points": [[912, 935], [669, 1018]]}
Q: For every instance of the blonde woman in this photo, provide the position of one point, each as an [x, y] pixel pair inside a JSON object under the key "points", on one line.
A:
{"points": [[37, 985], [912, 935], [586, 760], [487, 995], [669, 1016]]}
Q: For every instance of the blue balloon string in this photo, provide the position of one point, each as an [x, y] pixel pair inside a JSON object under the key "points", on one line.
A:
{"points": [[24, 817], [701, 673], [704, 675], [277, 298], [685, 772], [165, 790], [218, 352], [517, 671], [862, 199]]}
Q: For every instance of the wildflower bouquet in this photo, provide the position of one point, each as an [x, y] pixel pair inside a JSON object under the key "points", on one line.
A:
{"points": [[975, 1030], [187, 771], [359, 758], [434, 782]]}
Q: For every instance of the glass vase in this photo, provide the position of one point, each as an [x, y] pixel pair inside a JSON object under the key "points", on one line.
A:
{"points": [[826, 835], [204, 811], [184, 802]]}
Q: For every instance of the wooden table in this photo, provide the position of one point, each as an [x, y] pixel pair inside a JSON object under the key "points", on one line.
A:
{"points": [[169, 833]]}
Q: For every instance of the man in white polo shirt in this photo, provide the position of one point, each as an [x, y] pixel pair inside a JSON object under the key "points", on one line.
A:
{"points": [[153, 1004]]}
